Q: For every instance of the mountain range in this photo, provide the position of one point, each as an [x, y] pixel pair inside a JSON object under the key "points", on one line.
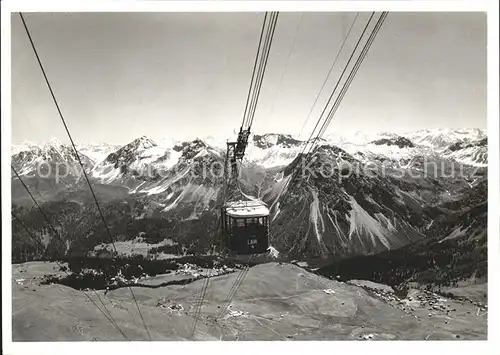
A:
{"points": [[356, 195]]}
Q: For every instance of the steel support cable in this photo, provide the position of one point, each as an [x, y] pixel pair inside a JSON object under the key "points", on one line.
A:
{"points": [[268, 48], [339, 80], [200, 302], [253, 72], [203, 290], [329, 72], [260, 64], [349, 79], [79, 161], [45, 217], [248, 120], [259, 72], [234, 289], [259, 69], [108, 316], [353, 73], [47, 220], [286, 64], [227, 300], [36, 203], [251, 111], [300, 156]]}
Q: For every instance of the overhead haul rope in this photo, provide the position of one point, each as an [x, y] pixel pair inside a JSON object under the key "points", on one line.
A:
{"points": [[338, 82], [80, 162], [232, 292], [310, 141], [346, 85], [355, 69], [328, 75], [248, 116], [108, 316], [263, 65], [253, 73], [292, 47], [349, 80], [262, 68]]}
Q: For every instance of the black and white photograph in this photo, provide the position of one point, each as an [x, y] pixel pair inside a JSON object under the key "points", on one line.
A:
{"points": [[268, 173]]}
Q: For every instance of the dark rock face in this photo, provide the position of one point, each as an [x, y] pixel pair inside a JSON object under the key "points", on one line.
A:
{"points": [[54, 154], [338, 206], [268, 140], [455, 248], [466, 144], [127, 154], [190, 149], [401, 142]]}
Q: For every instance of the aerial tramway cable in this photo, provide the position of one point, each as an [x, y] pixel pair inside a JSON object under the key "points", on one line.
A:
{"points": [[80, 162], [310, 142], [253, 73], [292, 47], [327, 121], [262, 66], [262, 69], [259, 69], [328, 75], [338, 82], [108, 316], [354, 71], [348, 81], [342, 93]]}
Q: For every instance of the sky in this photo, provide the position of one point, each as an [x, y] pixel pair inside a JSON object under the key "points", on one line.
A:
{"points": [[118, 76]]}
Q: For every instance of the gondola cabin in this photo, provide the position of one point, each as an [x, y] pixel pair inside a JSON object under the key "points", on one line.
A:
{"points": [[245, 227]]}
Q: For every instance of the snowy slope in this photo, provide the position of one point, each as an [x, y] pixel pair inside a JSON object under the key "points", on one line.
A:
{"points": [[272, 150], [97, 151], [319, 215], [441, 138], [328, 213], [140, 157], [31, 159], [473, 153]]}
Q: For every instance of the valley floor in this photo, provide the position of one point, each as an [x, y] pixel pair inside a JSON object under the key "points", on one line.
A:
{"points": [[276, 301]]}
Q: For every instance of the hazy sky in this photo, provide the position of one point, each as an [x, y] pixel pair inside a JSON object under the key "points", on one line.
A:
{"points": [[121, 75]]}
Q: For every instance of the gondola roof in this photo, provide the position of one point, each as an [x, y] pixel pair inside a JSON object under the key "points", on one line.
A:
{"points": [[243, 209]]}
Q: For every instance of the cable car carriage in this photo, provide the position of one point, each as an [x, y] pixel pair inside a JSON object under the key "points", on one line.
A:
{"points": [[245, 226]]}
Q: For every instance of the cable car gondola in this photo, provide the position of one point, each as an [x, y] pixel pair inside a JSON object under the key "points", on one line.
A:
{"points": [[245, 226], [245, 223]]}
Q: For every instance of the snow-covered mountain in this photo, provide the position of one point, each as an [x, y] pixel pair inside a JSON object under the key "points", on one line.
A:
{"points": [[468, 152], [32, 159], [441, 138], [97, 151], [23, 147], [137, 158], [364, 211], [272, 150], [344, 209]]}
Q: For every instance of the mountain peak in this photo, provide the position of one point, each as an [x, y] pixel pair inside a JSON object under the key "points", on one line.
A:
{"points": [[142, 142], [53, 142], [268, 140], [399, 141]]}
